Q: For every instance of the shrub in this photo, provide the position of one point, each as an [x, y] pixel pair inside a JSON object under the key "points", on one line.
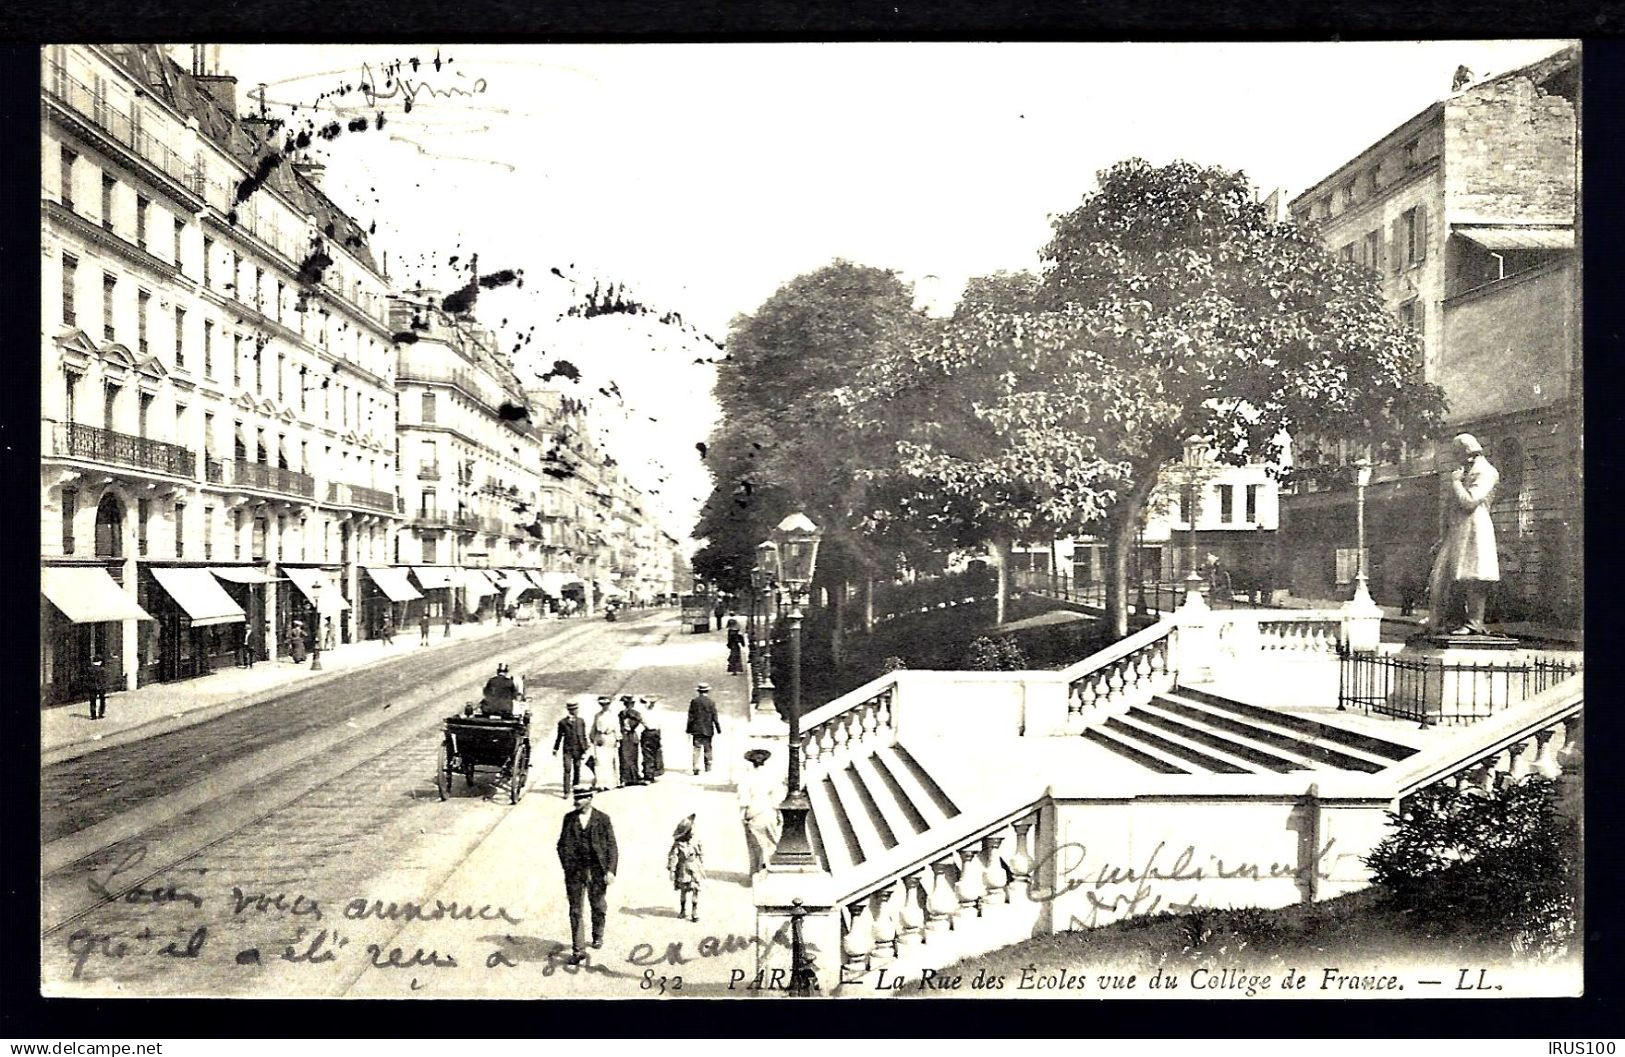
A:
{"points": [[983, 655], [1011, 658], [893, 663], [1499, 867]]}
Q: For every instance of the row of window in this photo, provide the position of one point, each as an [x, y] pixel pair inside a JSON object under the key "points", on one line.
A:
{"points": [[1227, 504], [1360, 187], [1407, 248]]}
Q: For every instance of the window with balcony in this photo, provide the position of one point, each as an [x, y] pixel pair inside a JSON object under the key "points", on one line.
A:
{"points": [[180, 529], [430, 550], [239, 442], [109, 406], [70, 507], [281, 452], [428, 504], [143, 413], [108, 183], [70, 386], [180, 332], [65, 177], [142, 205], [109, 287], [70, 279]]}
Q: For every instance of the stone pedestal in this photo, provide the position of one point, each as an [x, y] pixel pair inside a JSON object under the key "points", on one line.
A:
{"points": [[1362, 623], [1449, 677], [777, 891]]}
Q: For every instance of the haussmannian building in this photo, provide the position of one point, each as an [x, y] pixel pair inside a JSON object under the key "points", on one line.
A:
{"points": [[1468, 213], [218, 393]]}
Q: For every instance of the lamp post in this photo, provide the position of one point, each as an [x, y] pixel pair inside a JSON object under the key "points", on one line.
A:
{"points": [[797, 538], [761, 582], [1195, 457], [1362, 480], [316, 628]]}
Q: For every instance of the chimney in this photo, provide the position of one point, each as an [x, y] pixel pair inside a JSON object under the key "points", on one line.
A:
{"points": [[222, 88], [310, 169]]}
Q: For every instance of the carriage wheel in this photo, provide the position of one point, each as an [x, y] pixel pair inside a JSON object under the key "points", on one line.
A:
{"points": [[442, 773], [518, 770]]}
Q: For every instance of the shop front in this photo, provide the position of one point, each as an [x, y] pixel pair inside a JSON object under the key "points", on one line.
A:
{"points": [[435, 583], [480, 595], [250, 588], [82, 610], [197, 622], [386, 594], [318, 606]]}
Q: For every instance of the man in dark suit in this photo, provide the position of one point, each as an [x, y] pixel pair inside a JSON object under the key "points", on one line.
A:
{"points": [[590, 858], [97, 680], [499, 694], [702, 724], [572, 739]]}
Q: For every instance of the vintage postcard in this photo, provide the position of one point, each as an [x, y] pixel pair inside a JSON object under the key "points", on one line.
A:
{"points": [[761, 520]]}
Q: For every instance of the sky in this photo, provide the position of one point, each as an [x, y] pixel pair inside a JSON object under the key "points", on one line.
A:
{"points": [[701, 177]]}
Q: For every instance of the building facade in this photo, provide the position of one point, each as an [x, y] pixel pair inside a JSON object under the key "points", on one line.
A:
{"points": [[217, 401], [1468, 215]]}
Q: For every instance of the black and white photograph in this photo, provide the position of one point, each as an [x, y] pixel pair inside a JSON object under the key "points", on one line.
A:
{"points": [[1099, 521]]}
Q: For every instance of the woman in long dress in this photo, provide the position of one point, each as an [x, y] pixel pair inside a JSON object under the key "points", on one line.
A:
{"points": [[630, 722], [603, 734]]}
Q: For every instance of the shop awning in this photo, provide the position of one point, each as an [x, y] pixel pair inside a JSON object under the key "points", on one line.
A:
{"points": [[514, 580], [554, 583], [87, 595], [200, 594], [431, 577], [610, 589], [1506, 237], [477, 584], [394, 584], [238, 574], [536, 578], [331, 599]]}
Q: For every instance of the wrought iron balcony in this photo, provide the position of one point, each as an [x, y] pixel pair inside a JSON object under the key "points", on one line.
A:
{"points": [[346, 494], [79, 441], [272, 478], [78, 97], [431, 519], [429, 471], [214, 471]]}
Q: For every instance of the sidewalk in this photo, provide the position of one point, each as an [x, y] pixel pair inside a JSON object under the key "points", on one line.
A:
{"points": [[517, 867], [67, 731]]}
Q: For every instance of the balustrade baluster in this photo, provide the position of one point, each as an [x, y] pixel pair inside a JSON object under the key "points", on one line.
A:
{"points": [[1119, 699], [1159, 666], [857, 942], [970, 888], [826, 744], [1523, 758], [943, 904], [809, 750], [1548, 762], [885, 927], [839, 736], [1020, 862], [911, 914], [871, 722], [994, 878]]}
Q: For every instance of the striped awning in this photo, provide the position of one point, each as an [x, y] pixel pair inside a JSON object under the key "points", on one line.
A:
{"points": [[87, 595], [393, 583], [198, 593], [477, 583]]}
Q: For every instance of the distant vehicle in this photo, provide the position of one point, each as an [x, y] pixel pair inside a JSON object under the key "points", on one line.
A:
{"points": [[697, 613]]}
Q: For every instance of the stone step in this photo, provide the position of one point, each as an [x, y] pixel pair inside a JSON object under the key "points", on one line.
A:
{"points": [[1274, 731], [1365, 745], [1146, 757], [1233, 745], [903, 817], [857, 805], [841, 847], [1171, 747]]}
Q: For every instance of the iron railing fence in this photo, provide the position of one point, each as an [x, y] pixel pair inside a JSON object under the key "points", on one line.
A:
{"points": [[79, 441], [1432, 692]]}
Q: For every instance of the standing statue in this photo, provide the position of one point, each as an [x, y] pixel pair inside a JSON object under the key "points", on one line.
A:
{"points": [[1467, 563]]}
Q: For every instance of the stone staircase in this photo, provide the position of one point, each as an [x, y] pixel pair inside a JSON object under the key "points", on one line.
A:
{"points": [[873, 804], [1191, 731]]}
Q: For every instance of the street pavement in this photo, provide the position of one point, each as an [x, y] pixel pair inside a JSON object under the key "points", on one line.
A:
{"points": [[341, 871]]}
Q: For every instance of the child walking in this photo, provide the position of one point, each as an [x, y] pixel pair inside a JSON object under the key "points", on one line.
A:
{"points": [[686, 865]]}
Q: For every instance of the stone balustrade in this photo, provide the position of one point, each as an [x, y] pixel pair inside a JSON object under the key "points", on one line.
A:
{"points": [[1121, 681], [856, 730], [966, 899]]}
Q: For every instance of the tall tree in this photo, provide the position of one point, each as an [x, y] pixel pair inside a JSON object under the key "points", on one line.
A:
{"points": [[783, 443], [1171, 306]]}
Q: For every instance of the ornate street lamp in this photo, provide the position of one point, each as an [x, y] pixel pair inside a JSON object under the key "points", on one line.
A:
{"points": [[797, 538], [1196, 454], [316, 627], [1362, 480], [761, 601]]}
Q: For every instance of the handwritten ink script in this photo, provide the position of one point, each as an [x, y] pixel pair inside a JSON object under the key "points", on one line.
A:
{"points": [[398, 86]]}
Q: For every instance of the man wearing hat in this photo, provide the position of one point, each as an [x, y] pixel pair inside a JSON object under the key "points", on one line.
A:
{"points": [[590, 858], [572, 739], [702, 724], [499, 694], [759, 797], [1467, 563]]}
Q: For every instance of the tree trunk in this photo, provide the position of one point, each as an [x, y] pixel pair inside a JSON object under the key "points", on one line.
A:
{"points": [[1001, 552], [1121, 528], [1055, 580]]}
